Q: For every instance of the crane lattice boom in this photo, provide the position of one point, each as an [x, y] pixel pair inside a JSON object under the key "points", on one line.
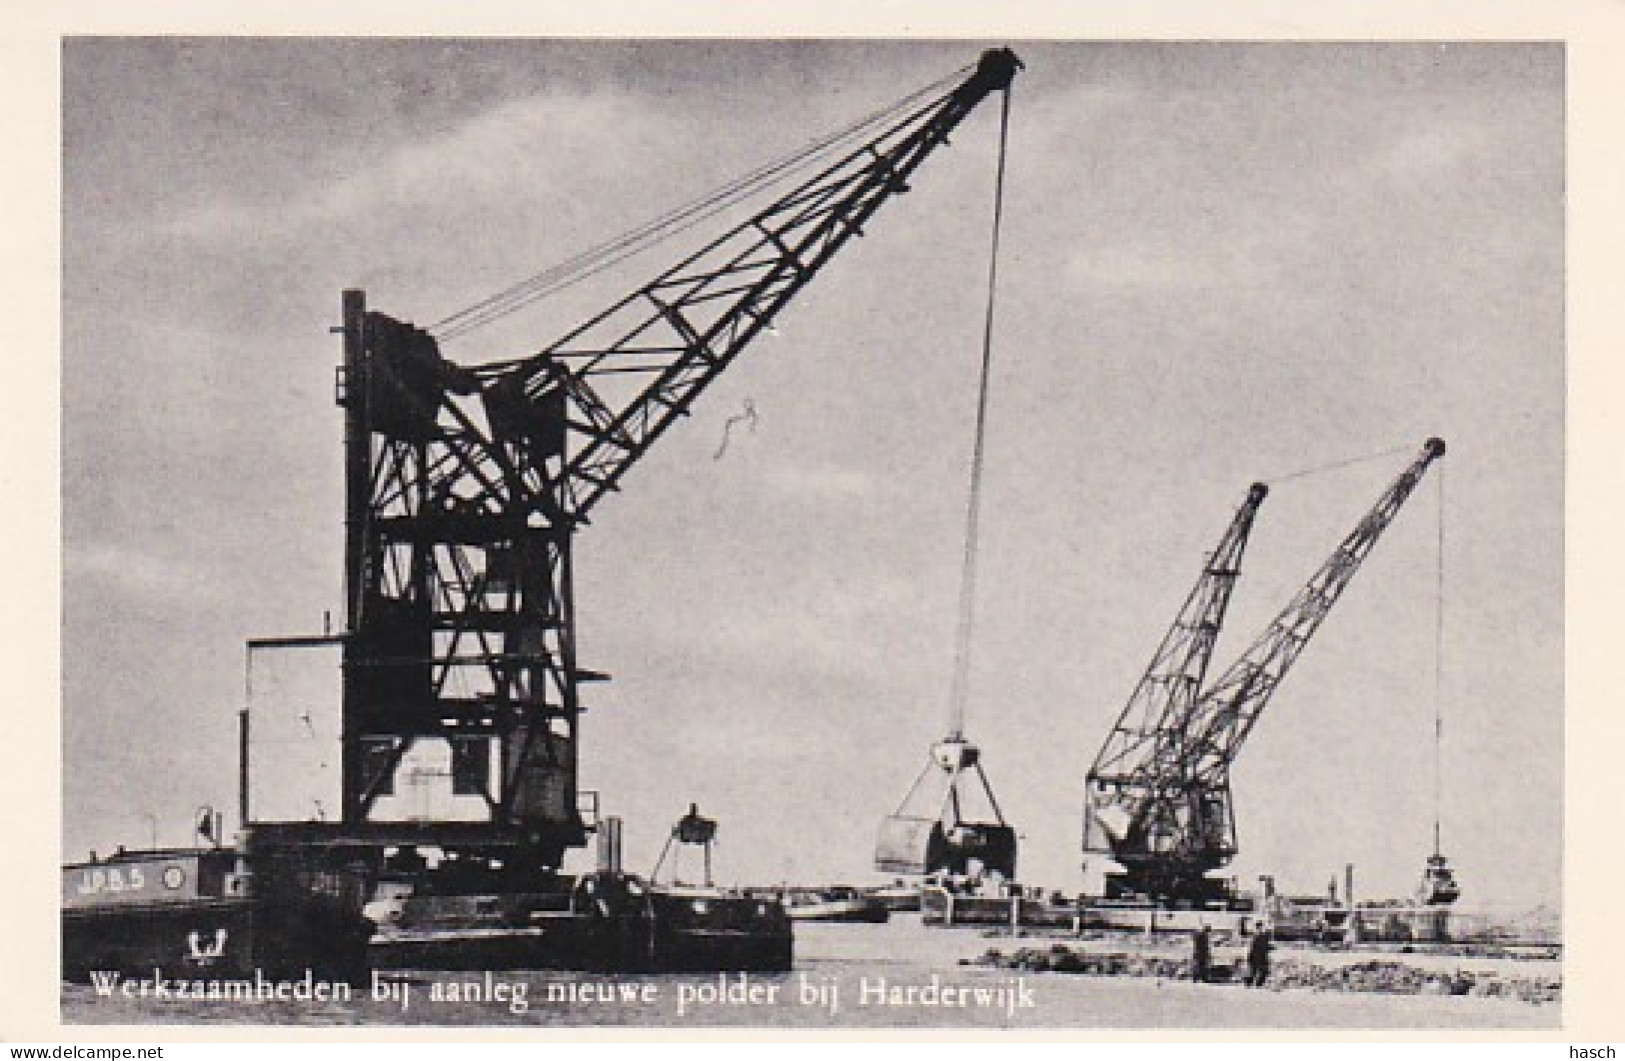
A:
{"points": [[679, 331], [1128, 800], [1159, 798]]}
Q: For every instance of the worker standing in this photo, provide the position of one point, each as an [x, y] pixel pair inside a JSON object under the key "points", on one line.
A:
{"points": [[1258, 957], [1201, 954]]}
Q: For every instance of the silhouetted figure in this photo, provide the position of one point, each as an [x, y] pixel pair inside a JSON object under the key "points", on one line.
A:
{"points": [[1201, 954], [1258, 957]]}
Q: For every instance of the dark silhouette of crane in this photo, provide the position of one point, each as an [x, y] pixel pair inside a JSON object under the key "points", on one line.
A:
{"points": [[466, 487], [1157, 799]]}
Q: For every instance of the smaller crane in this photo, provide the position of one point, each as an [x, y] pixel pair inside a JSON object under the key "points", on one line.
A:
{"points": [[1160, 806], [1130, 807], [692, 830]]}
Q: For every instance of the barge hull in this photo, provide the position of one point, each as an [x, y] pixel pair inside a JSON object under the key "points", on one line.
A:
{"points": [[214, 939], [607, 923]]}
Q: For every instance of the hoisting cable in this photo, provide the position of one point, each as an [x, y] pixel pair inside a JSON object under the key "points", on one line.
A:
{"points": [[967, 584], [1438, 680], [587, 263], [1317, 469]]}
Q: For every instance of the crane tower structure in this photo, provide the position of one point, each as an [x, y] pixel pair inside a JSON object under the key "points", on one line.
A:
{"points": [[466, 487], [1157, 798]]}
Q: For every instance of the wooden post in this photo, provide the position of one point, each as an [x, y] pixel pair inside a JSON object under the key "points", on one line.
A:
{"points": [[1352, 933], [242, 768], [242, 738]]}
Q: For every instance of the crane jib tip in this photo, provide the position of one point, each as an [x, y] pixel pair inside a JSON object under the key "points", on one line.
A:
{"points": [[998, 67]]}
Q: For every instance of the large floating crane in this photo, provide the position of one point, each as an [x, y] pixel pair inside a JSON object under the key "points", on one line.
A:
{"points": [[1158, 798], [466, 487]]}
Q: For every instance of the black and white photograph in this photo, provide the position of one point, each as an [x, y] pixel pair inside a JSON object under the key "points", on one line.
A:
{"points": [[863, 532]]}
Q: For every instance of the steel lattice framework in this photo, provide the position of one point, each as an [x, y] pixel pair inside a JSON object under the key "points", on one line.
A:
{"points": [[1167, 785], [466, 487], [1136, 796]]}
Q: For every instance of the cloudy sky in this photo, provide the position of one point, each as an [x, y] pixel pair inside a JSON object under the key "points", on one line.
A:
{"points": [[1222, 263]]}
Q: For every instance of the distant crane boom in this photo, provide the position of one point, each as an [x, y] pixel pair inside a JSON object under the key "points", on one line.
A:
{"points": [[1228, 711]]}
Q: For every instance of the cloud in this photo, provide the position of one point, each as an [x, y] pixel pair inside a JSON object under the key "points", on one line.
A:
{"points": [[1168, 267], [478, 158], [104, 571], [1430, 154], [819, 484]]}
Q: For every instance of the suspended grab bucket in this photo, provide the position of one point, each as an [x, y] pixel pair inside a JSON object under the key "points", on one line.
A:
{"points": [[906, 844], [931, 832]]}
